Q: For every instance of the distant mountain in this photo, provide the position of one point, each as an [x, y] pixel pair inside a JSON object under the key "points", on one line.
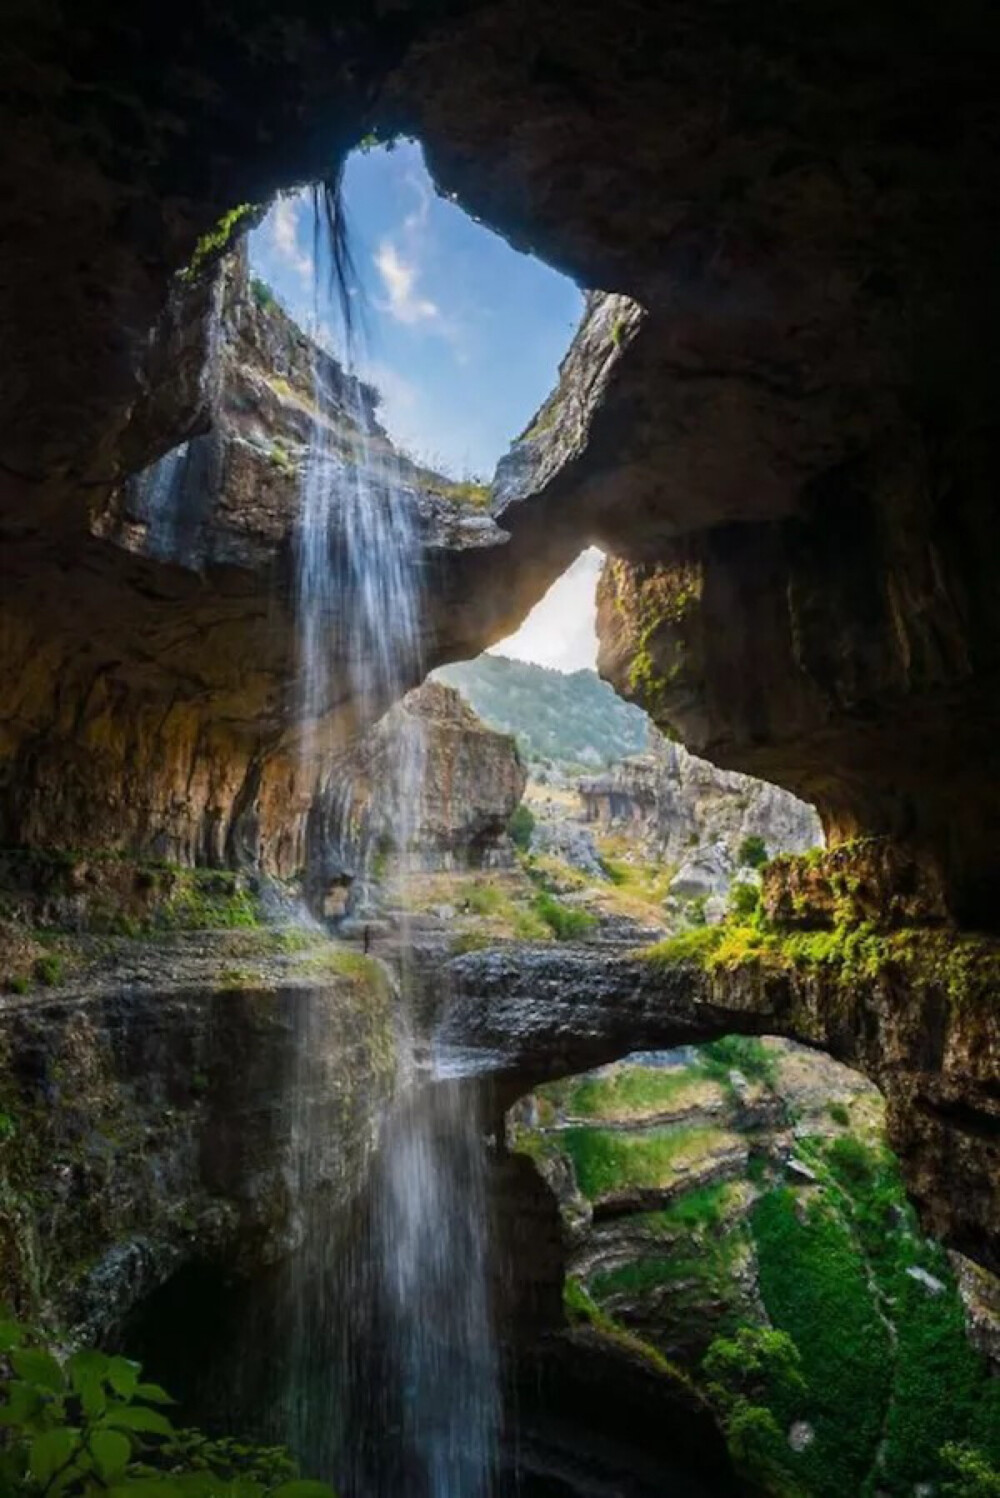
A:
{"points": [[576, 719]]}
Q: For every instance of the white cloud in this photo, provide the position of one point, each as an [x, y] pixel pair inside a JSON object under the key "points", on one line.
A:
{"points": [[561, 629], [284, 217], [399, 277]]}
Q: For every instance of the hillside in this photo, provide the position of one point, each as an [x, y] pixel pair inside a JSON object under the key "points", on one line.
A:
{"points": [[576, 718]]}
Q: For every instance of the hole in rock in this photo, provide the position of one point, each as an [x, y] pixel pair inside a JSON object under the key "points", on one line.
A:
{"points": [[460, 335], [734, 1216]]}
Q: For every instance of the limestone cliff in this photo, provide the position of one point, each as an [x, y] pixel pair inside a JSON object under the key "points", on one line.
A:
{"points": [[157, 1116], [429, 784]]}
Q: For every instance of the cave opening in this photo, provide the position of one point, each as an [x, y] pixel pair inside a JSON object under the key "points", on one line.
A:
{"points": [[733, 1213], [809, 594]]}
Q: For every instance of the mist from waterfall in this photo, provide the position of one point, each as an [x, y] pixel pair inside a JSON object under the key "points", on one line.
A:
{"points": [[392, 1384]]}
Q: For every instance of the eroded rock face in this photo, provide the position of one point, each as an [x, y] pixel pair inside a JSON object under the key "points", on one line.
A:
{"points": [[904, 1017], [429, 782], [148, 1127]]}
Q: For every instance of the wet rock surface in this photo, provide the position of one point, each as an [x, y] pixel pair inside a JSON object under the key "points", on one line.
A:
{"points": [[157, 1110]]}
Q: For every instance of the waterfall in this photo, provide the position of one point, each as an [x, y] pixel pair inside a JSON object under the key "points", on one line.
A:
{"points": [[392, 1384]]}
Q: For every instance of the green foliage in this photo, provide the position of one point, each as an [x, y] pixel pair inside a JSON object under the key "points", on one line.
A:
{"points": [[280, 457], [575, 719], [48, 970], [565, 923], [219, 238], [838, 1112], [744, 899], [262, 293], [752, 852], [758, 1364], [627, 1090], [91, 1428], [693, 946], [606, 1160], [744, 1053], [521, 826], [815, 1287], [970, 1474]]}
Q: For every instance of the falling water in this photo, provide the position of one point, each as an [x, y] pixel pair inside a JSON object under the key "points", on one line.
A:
{"points": [[394, 1383]]}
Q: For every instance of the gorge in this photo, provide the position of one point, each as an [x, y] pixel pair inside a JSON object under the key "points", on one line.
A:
{"points": [[277, 1163]]}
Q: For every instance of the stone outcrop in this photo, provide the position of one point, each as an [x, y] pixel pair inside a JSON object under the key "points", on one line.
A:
{"points": [[429, 783], [915, 1013], [147, 1125]]}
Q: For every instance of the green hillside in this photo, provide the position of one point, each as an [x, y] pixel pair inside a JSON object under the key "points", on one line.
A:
{"points": [[576, 718]]}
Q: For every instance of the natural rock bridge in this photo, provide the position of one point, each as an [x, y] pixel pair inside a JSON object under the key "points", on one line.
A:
{"points": [[543, 1014]]}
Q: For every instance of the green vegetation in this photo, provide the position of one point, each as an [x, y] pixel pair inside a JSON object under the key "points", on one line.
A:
{"points": [[815, 1286], [752, 852], [48, 970], [607, 1161], [744, 899], [473, 492], [972, 1475], [582, 1310], [521, 826], [628, 1091], [574, 719], [965, 966], [91, 1428], [565, 923], [262, 293], [219, 238], [280, 457], [744, 1053], [863, 1351]]}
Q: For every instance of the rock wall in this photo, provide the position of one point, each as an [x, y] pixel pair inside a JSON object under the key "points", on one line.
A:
{"points": [[429, 784], [147, 1127], [911, 1009]]}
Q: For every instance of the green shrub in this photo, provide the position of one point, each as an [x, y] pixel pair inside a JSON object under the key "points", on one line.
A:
{"points": [[744, 899], [972, 1476], [759, 1364], [752, 852], [262, 293], [744, 1053], [838, 1112], [19, 983], [521, 826], [814, 1284], [90, 1428], [853, 1162], [608, 1160], [565, 923], [49, 970]]}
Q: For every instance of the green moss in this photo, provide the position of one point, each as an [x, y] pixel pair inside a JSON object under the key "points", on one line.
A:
{"points": [[280, 457], [582, 1310], [565, 923], [628, 1090], [815, 1288], [965, 966], [607, 1161], [48, 970], [688, 946], [219, 238], [470, 492], [744, 1053]]}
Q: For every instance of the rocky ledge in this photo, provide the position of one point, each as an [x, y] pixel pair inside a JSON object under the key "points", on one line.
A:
{"points": [[914, 1010]]}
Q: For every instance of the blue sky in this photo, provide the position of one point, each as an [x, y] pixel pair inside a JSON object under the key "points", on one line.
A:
{"points": [[462, 335]]}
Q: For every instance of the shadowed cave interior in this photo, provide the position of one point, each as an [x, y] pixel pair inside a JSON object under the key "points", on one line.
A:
{"points": [[476, 1072]]}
